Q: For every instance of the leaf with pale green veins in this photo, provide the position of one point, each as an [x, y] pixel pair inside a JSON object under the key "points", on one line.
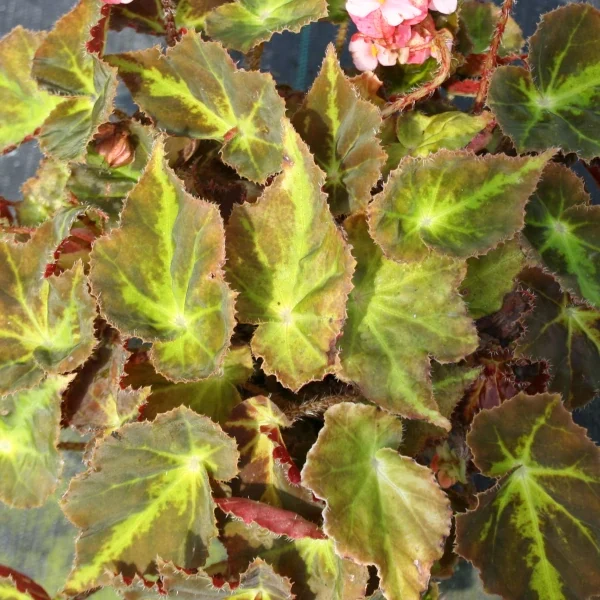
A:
{"points": [[29, 426], [295, 548], [383, 509], [148, 491], [564, 230], [565, 333], [196, 90], [490, 277], [453, 203], [242, 24], [556, 102], [192, 13], [267, 472], [341, 132], [159, 275], [46, 324], [398, 315], [24, 106], [418, 134], [213, 397], [545, 508], [62, 66], [293, 269]]}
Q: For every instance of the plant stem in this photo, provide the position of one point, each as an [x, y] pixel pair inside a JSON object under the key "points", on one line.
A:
{"points": [[492, 57], [171, 28], [316, 406], [254, 57], [445, 57], [340, 39]]}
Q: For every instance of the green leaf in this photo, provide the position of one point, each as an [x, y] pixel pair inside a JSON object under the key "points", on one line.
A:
{"points": [[9, 590], [293, 270], [267, 472], [145, 16], [565, 333], [44, 194], [341, 132], [46, 324], [490, 277], [564, 229], [213, 397], [242, 24], [153, 482], [192, 13], [195, 90], [29, 426], [309, 561], [418, 134], [480, 204], [479, 22], [398, 315], [382, 508], [173, 294], [24, 107], [62, 66], [557, 103], [546, 507]]}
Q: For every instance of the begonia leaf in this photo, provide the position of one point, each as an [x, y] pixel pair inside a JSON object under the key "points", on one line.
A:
{"points": [[29, 426], [479, 22], [398, 315], [195, 90], [214, 396], [480, 204], [341, 132], [382, 508], [546, 507], [267, 473], [62, 66], [153, 483], [145, 16], [295, 548], [293, 269], [192, 13], [242, 24], [565, 333], [24, 107], [10, 591], [556, 102], [46, 324], [490, 277], [159, 275], [44, 194], [564, 229]]}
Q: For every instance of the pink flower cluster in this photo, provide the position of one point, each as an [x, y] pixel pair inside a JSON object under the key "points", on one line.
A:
{"points": [[391, 31]]}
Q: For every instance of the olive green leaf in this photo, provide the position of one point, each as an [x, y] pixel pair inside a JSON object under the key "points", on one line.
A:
{"points": [[44, 194], [242, 24], [398, 315], [213, 397], [24, 107], [159, 275], [418, 134], [557, 102], [546, 507], [195, 90], [145, 16], [62, 66], [565, 333], [10, 591], [267, 472], [564, 229], [309, 561], [341, 132], [293, 270], [382, 508], [454, 203], [148, 489], [46, 324], [192, 13], [29, 426], [478, 20], [490, 277]]}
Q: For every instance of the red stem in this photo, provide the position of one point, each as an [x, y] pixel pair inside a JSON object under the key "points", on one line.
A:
{"points": [[492, 57], [169, 12]]}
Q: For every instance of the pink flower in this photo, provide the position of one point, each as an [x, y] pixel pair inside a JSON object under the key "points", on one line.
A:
{"points": [[367, 54], [117, 1], [443, 6], [418, 49], [393, 11]]}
